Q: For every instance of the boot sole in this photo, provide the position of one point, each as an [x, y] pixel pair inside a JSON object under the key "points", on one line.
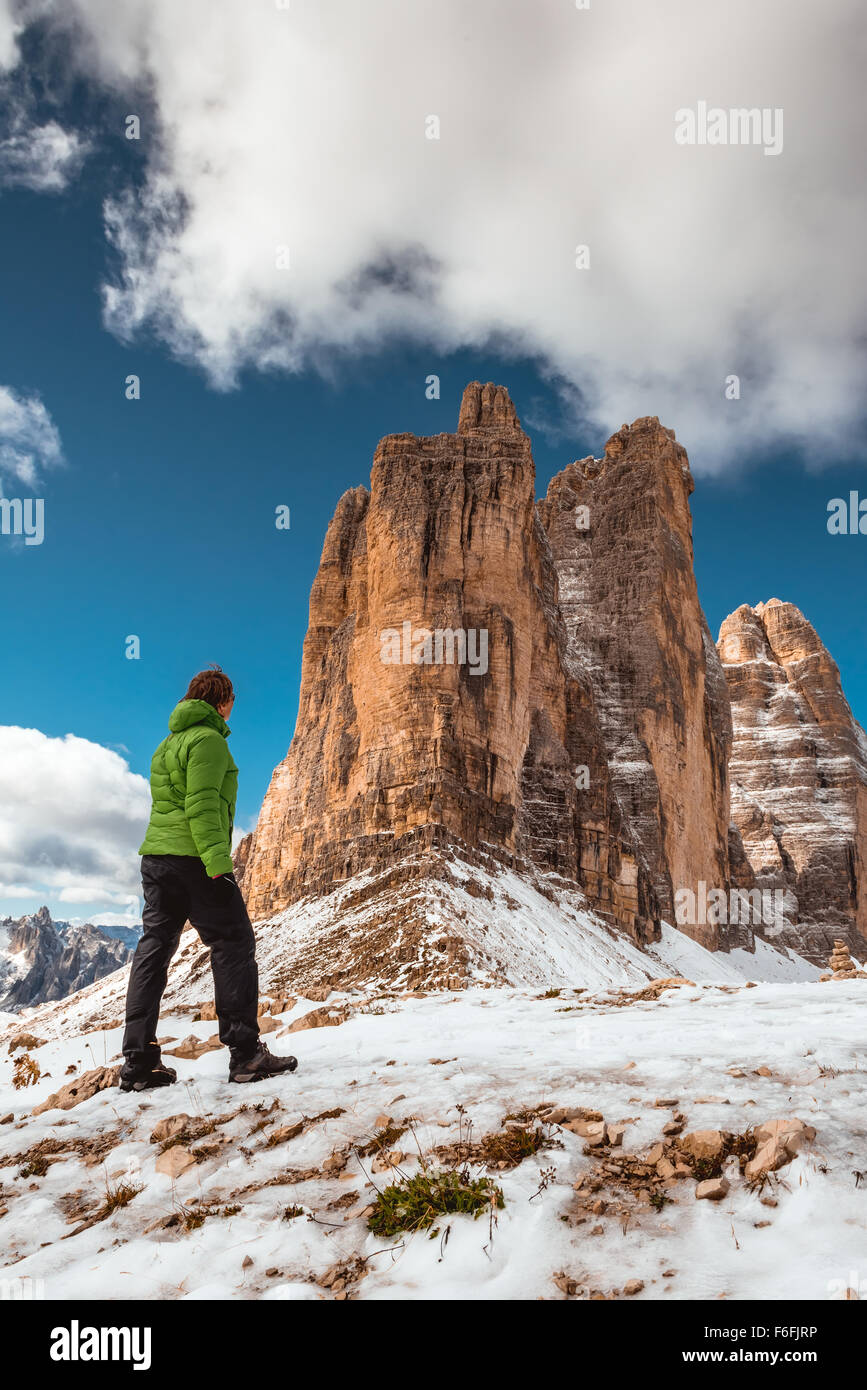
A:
{"points": [[146, 1085], [246, 1078]]}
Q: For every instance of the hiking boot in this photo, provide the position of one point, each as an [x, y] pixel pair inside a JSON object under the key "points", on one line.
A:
{"points": [[262, 1065], [133, 1078]]}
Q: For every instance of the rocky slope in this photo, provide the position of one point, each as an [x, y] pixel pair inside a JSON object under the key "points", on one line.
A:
{"points": [[400, 751], [42, 960], [621, 535], [799, 778]]}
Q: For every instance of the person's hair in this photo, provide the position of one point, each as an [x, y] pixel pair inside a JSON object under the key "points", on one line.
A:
{"points": [[213, 686]]}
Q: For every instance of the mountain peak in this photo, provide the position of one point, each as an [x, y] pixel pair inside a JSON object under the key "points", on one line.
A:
{"points": [[487, 407]]}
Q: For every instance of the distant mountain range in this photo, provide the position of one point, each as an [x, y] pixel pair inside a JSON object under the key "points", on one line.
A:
{"points": [[42, 960]]}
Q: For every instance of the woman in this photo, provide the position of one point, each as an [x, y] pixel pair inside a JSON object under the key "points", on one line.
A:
{"points": [[187, 874]]}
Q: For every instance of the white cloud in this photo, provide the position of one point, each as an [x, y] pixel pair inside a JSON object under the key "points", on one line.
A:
{"points": [[29, 440], [8, 35], [306, 127], [239, 831], [72, 816], [43, 158]]}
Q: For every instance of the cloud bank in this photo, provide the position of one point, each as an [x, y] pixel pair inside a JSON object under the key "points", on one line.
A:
{"points": [[72, 816], [294, 210]]}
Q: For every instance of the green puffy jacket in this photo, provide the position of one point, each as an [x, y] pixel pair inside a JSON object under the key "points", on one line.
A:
{"points": [[194, 787]]}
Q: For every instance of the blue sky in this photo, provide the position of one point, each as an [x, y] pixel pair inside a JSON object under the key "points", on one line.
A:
{"points": [[161, 521]]}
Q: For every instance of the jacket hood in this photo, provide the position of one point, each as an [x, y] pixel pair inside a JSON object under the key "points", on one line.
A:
{"points": [[190, 712]]}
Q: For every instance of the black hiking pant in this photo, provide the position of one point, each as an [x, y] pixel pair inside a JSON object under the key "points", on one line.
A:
{"points": [[177, 887]]}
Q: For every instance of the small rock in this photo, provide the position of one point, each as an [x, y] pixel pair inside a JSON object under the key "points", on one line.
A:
{"points": [[318, 1018], [191, 1048], [168, 1128], [7, 1119], [591, 1130], [208, 1012], [792, 1132], [768, 1158], [246, 1263], [382, 1122], [703, 1143], [763, 1071], [175, 1161], [713, 1189], [271, 1273], [666, 1104], [632, 1287], [335, 1164], [26, 1041], [82, 1088], [284, 1133], [566, 1114], [384, 1162]]}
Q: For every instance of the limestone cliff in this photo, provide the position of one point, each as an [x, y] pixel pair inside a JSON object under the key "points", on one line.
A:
{"points": [[621, 535], [798, 778], [498, 682], [440, 707]]}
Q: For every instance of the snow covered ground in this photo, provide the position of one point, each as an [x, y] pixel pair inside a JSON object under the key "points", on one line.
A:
{"points": [[491, 1052]]}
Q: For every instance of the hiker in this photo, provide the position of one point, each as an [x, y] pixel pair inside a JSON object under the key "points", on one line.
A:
{"points": [[187, 873]]}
